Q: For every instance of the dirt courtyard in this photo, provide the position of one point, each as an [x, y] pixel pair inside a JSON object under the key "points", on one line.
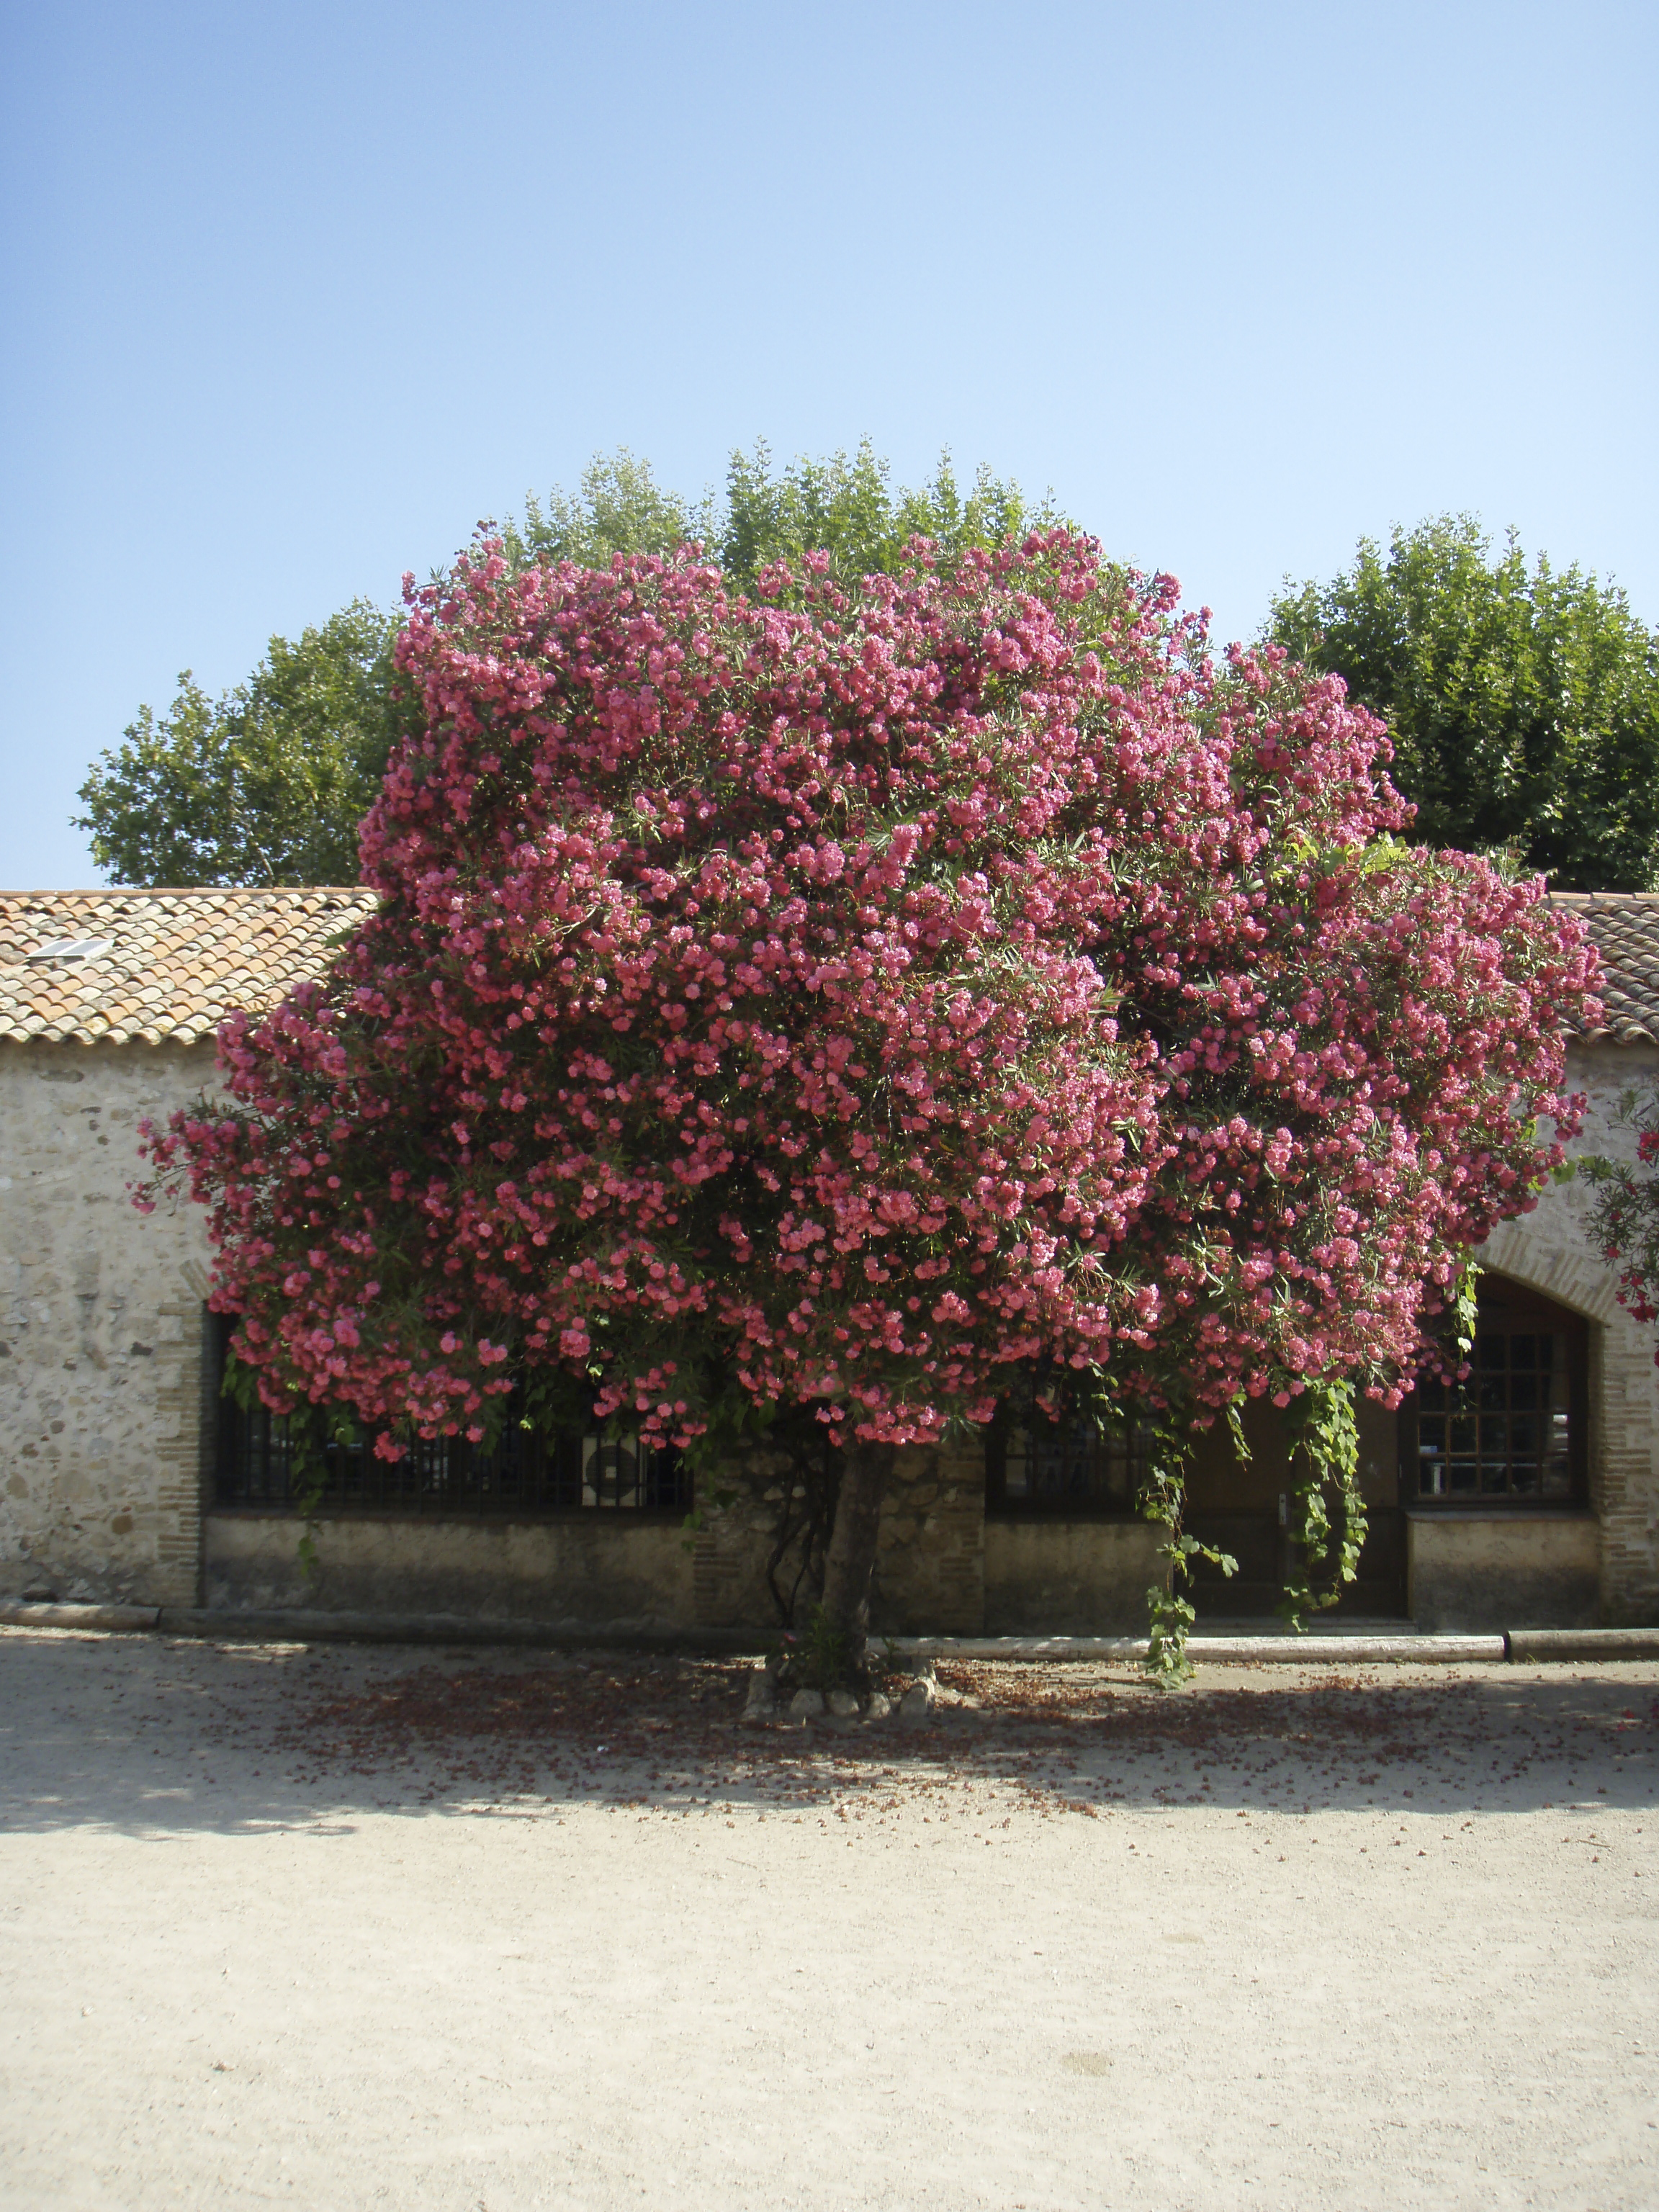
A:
{"points": [[341, 1927]]}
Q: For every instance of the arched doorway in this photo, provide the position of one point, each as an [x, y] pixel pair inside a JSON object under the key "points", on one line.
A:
{"points": [[1513, 1437], [1514, 1433]]}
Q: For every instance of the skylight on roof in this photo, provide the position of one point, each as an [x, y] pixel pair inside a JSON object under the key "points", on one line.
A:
{"points": [[74, 948]]}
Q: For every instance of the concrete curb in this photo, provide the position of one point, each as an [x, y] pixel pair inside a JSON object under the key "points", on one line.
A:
{"points": [[1557, 1644], [1349, 1650], [1287, 1650], [439, 1628], [1525, 1646], [298, 1627], [25, 1615], [1014, 1647]]}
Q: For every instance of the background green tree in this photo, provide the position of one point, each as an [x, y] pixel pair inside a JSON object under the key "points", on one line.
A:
{"points": [[617, 507], [844, 505], [1524, 702], [267, 785]]}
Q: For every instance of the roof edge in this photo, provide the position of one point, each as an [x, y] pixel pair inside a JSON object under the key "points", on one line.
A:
{"points": [[202, 891]]}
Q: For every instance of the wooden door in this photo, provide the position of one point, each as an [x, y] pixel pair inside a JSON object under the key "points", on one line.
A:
{"points": [[1242, 1508]]}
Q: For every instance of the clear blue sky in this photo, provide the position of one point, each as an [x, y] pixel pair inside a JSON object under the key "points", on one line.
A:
{"points": [[295, 293]]}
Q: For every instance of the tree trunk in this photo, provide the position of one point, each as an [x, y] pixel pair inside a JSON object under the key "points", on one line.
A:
{"points": [[850, 1563]]}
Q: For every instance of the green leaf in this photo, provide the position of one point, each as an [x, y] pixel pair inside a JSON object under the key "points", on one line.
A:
{"points": [[1523, 702]]}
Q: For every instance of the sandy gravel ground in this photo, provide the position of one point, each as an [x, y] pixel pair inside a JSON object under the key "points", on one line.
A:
{"points": [[342, 1928]]}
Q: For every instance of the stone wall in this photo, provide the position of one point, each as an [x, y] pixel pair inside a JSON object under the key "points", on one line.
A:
{"points": [[101, 1331], [614, 1571], [740, 1512], [1550, 1249], [930, 1569], [1479, 1572], [1053, 1577], [103, 1434]]}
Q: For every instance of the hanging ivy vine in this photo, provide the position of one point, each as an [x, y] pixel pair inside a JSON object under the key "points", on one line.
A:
{"points": [[1169, 1611], [1328, 1514]]}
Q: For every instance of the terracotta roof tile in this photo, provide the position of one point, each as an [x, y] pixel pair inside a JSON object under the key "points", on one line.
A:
{"points": [[178, 962], [1626, 928]]}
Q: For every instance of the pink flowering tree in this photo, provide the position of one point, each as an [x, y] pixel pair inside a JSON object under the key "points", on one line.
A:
{"points": [[1625, 1215], [853, 1001]]}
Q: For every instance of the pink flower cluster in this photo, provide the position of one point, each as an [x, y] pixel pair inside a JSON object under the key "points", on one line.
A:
{"points": [[1624, 1213], [840, 997]]}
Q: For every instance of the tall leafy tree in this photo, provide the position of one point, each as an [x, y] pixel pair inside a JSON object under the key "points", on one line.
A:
{"points": [[617, 507], [268, 783], [1522, 701], [845, 506]]}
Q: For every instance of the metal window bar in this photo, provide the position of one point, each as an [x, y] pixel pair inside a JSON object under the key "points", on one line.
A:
{"points": [[1036, 1465], [1507, 1431], [525, 1474]]}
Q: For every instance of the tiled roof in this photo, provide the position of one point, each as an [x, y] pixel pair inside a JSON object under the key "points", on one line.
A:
{"points": [[178, 962], [1625, 926], [166, 967]]}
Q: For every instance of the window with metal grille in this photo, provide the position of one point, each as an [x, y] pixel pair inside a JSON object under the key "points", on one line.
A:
{"points": [[1513, 1431], [1034, 1465], [525, 1474]]}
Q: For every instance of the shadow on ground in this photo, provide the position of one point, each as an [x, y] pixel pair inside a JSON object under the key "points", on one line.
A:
{"points": [[153, 1737]]}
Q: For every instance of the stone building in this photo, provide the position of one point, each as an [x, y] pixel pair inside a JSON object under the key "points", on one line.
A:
{"points": [[1533, 1500], [108, 1005]]}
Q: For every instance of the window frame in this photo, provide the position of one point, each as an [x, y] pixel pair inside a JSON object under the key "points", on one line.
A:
{"points": [[1510, 1309], [1000, 1504], [528, 1477]]}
